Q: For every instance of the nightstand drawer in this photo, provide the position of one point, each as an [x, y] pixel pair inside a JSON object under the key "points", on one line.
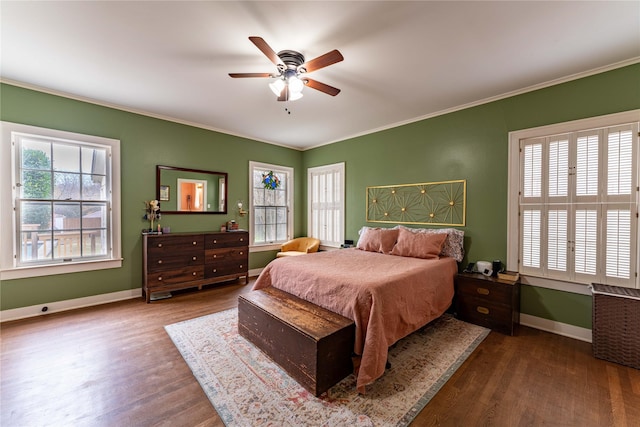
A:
{"points": [[497, 293], [494, 316]]}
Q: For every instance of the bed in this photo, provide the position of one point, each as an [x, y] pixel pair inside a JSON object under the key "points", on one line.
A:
{"points": [[392, 284]]}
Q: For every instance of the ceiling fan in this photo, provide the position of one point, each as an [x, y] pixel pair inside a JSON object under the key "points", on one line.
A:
{"points": [[290, 78]]}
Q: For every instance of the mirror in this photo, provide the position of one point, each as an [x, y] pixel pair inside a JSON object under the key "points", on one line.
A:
{"points": [[191, 191]]}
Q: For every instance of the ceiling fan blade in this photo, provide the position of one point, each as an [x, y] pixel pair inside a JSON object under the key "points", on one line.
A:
{"points": [[323, 61], [329, 90], [237, 75], [266, 49]]}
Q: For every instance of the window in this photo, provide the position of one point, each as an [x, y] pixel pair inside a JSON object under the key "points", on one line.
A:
{"points": [[577, 203], [61, 204], [326, 203], [271, 209]]}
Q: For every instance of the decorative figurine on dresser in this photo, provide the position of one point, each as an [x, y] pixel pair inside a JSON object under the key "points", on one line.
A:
{"points": [[188, 260], [492, 302]]}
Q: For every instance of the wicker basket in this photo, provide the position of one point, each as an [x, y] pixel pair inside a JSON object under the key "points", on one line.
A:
{"points": [[616, 324]]}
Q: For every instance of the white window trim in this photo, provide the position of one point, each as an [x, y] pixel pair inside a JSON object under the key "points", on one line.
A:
{"points": [[340, 168], [513, 233], [290, 192], [8, 268]]}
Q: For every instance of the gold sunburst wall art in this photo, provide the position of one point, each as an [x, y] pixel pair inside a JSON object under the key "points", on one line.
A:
{"points": [[433, 203]]}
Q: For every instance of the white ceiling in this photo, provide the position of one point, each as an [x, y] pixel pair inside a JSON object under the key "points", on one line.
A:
{"points": [[404, 61]]}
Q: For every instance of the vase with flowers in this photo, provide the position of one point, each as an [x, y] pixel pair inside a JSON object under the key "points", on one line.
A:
{"points": [[270, 180], [152, 212]]}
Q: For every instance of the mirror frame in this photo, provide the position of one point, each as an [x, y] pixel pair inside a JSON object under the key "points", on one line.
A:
{"points": [[160, 168]]}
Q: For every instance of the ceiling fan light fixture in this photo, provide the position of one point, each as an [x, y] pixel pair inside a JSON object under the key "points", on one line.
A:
{"points": [[295, 84], [294, 96], [277, 86]]}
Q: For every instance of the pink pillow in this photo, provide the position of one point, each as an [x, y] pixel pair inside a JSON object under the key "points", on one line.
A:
{"points": [[419, 245], [378, 240]]}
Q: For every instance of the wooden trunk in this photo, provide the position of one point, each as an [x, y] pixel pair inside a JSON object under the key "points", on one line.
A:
{"points": [[312, 344]]}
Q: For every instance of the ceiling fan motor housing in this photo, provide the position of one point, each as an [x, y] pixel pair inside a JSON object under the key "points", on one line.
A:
{"points": [[291, 58]]}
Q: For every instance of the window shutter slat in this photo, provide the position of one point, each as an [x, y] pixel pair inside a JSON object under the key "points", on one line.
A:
{"points": [[531, 238], [620, 163], [558, 168], [557, 240], [587, 165], [533, 170], [618, 244], [586, 241]]}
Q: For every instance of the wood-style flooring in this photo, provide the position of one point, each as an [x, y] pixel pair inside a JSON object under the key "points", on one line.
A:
{"points": [[114, 365]]}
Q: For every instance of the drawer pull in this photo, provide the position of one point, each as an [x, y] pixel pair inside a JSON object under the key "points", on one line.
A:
{"points": [[483, 310], [194, 273], [195, 258], [159, 261], [215, 270], [195, 243], [241, 253], [240, 266], [215, 256], [242, 239], [215, 241], [483, 291], [159, 245], [160, 278]]}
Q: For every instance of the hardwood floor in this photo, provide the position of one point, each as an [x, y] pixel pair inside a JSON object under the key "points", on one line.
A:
{"points": [[114, 365]]}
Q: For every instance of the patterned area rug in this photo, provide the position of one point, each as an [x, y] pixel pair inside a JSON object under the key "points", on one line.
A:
{"points": [[248, 389]]}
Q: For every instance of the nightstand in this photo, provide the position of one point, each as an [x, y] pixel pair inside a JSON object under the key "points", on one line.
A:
{"points": [[488, 301]]}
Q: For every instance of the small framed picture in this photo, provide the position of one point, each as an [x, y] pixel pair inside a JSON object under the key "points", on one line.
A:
{"points": [[164, 193]]}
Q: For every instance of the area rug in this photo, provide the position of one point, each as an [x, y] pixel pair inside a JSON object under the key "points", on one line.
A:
{"points": [[247, 389]]}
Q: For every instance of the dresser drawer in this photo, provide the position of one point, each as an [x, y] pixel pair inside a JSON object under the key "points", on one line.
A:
{"points": [[226, 269], [485, 290], [170, 245], [178, 275], [225, 240], [216, 256], [159, 262]]}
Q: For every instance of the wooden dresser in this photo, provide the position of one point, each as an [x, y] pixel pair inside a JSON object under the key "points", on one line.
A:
{"points": [[488, 301], [187, 260]]}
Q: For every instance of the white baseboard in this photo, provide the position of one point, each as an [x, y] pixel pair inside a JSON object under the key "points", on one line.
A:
{"points": [[57, 306], [255, 272], [559, 328]]}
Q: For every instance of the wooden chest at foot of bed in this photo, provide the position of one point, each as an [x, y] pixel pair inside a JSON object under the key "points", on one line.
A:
{"points": [[312, 344]]}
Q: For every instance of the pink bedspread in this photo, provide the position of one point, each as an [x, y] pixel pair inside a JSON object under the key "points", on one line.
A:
{"points": [[387, 296]]}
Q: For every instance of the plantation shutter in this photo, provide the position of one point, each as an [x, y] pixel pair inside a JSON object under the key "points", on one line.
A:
{"points": [[532, 207], [578, 206], [326, 204], [620, 206]]}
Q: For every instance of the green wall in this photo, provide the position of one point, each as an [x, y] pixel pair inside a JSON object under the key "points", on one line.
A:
{"points": [[145, 143], [469, 144], [472, 144]]}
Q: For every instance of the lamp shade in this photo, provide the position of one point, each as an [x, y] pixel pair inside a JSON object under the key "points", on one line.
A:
{"points": [[295, 84], [277, 86]]}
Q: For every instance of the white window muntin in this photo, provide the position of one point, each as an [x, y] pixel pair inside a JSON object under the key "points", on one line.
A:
{"points": [[274, 206], [8, 238]]}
